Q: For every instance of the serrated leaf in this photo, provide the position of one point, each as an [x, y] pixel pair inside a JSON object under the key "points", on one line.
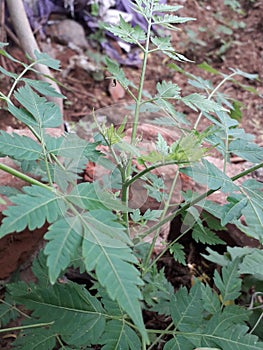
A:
{"points": [[169, 20], [168, 90], [247, 150], [78, 317], [31, 209], [210, 299], [215, 257], [208, 174], [236, 338], [43, 87], [205, 235], [178, 253], [63, 241], [113, 263], [158, 7], [161, 145], [46, 60], [118, 335], [43, 114], [19, 147], [252, 263], [157, 291], [197, 101], [38, 339], [229, 284], [244, 74], [186, 309], [253, 211], [124, 30]]}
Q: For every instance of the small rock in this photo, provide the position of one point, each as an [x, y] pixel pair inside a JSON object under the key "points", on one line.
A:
{"points": [[116, 91]]}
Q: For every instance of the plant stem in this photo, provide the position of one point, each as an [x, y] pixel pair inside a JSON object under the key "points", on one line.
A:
{"points": [[125, 186], [24, 177], [11, 329], [164, 212]]}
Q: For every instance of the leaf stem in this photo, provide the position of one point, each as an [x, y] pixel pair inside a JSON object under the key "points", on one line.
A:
{"points": [[23, 177], [36, 325]]}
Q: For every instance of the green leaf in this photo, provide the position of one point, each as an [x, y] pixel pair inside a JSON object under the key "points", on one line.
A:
{"points": [[211, 302], [186, 309], [8, 310], [37, 339], [197, 101], [119, 335], [205, 235], [168, 90], [253, 211], [43, 114], [63, 241], [229, 284], [124, 30], [178, 253], [46, 60], [247, 150], [168, 20], [236, 338], [208, 174], [78, 317], [252, 263], [157, 291], [115, 271], [205, 66], [161, 145], [43, 87], [157, 7], [233, 210], [19, 147], [91, 196], [31, 209]]}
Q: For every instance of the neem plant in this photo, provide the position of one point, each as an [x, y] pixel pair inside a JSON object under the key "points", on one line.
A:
{"points": [[89, 227]]}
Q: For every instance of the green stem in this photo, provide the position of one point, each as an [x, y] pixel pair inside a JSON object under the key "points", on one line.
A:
{"points": [[11, 329], [164, 212], [19, 77], [125, 187], [23, 177]]}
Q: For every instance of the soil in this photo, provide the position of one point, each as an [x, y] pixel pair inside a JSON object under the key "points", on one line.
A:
{"points": [[220, 36]]}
